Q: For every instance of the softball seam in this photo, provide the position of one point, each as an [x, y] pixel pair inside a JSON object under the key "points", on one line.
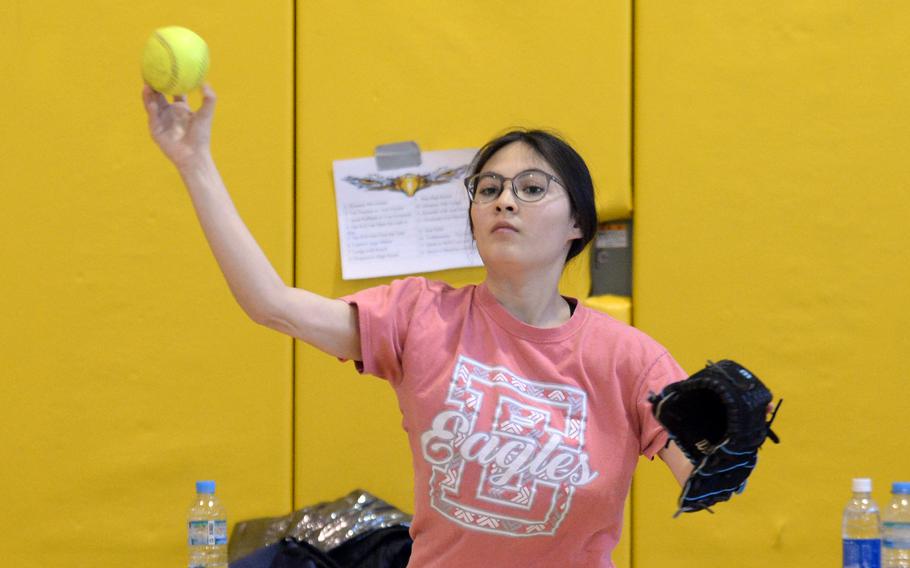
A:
{"points": [[175, 70]]}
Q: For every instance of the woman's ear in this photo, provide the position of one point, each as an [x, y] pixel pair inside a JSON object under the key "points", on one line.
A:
{"points": [[576, 231]]}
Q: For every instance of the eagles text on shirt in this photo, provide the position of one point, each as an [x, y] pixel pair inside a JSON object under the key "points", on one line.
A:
{"points": [[508, 452]]}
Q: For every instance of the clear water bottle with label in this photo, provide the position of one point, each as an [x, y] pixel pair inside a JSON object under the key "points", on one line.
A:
{"points": [[896, 528], [861, 529], [207, 524]]}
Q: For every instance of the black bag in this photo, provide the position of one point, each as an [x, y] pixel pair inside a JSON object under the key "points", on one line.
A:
{"points": [[382, 548]]}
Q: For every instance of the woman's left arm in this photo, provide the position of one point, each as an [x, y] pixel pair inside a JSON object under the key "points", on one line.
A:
{"points": [[677, 462]]}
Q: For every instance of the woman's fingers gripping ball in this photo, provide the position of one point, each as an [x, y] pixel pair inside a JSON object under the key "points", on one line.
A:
{"points": [[183, 135]]}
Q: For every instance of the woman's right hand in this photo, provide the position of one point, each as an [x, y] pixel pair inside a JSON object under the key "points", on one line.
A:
{"points": [[183, 135]]}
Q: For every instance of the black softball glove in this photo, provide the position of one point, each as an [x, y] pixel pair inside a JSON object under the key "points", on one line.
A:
{"points": [[718, 419]]}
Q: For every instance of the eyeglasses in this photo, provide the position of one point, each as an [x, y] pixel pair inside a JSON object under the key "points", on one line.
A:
{"points": [[528, 186]]}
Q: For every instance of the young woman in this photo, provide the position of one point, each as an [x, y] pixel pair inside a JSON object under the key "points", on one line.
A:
{"points": [[526, 412]]}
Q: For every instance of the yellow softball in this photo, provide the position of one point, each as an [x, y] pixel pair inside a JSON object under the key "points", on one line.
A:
{"points": [[175, 60]]}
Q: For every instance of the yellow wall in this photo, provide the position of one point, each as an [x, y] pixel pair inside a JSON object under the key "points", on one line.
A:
{"points": [[769, 201], [127, 371], [771, 227]]}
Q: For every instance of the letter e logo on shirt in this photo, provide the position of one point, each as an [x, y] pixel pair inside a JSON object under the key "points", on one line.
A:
{"points": [[508, 452]]}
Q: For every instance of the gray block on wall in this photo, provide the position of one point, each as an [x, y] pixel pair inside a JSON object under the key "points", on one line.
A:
{"points": [[611, 259]]}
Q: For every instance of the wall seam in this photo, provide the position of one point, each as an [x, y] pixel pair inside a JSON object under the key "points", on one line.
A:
{"points": [[632, 28], [294, 351]]}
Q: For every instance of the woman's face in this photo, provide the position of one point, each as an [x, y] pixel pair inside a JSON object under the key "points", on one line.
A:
{"points": [[513, 232]]}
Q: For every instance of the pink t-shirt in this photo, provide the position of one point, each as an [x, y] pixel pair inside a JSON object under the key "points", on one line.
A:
{"points": [[523, 439]]}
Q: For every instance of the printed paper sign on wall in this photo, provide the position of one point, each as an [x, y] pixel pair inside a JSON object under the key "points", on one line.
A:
{"points": [[404, 221]]}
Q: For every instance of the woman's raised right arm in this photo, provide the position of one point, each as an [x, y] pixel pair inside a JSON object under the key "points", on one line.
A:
{"points": [[184, 137]]}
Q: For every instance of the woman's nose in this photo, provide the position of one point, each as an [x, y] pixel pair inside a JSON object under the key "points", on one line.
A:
{"points": [[506, 199]]}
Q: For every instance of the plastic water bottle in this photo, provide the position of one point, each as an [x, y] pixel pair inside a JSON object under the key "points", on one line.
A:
{"points": [[861, 529], [207, 524], [896, 528]]}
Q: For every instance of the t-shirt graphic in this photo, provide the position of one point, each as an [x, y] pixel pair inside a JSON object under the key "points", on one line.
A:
{"points": [[507, 452]]}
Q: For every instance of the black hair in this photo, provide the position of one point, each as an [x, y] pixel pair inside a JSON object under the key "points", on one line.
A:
{"points": [[570, 168]]}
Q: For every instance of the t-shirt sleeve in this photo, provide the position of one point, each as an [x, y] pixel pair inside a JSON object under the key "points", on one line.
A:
{"points": [[383, 316], [663, 371]]}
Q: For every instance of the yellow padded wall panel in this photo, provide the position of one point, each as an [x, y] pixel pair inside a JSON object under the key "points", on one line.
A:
{"points": [[446, 75], [619, 307], [127, 370], [771, 227]]}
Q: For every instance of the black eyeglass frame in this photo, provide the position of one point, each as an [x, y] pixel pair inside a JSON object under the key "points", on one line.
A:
{"points": [[468, 181]]}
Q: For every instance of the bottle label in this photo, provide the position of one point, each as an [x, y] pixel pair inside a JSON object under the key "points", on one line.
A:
{"points": [[895, 535], [862, 553], [208, 532]]}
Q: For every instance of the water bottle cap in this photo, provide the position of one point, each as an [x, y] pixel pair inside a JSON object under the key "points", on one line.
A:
{"points": [[862, 485], [205, 487], [900, 487]]}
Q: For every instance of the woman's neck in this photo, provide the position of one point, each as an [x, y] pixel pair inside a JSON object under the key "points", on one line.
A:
{"points": [[531, 298]]}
